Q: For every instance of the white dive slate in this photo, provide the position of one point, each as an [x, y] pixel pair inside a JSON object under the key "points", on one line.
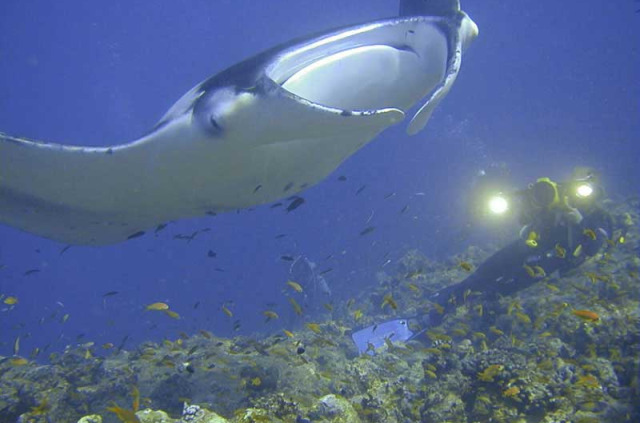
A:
{"points": [[263, 129]]}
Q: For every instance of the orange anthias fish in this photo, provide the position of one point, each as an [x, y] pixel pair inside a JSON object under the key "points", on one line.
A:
{"points": [[589, 316]]}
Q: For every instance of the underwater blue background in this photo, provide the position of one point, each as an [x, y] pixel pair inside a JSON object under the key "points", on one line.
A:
{"points": [[546, 86]]}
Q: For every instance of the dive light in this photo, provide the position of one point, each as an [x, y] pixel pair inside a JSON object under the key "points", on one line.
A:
{"points": [[498, 204], [584, 190]]}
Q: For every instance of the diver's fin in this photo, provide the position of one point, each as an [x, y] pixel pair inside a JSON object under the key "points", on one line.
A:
{"points": [[428, 7]]}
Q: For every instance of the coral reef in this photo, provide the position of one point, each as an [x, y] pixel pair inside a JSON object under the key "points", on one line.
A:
{"points": [[526, 357]]}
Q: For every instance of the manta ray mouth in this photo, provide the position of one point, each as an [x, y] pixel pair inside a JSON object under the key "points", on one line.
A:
{"points": [[362, 78]]}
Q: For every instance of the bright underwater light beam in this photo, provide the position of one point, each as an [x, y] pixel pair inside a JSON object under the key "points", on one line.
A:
{"points": [[498, 204]]}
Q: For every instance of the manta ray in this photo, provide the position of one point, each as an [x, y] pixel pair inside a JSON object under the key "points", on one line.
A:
{"points": [[261, 130]]}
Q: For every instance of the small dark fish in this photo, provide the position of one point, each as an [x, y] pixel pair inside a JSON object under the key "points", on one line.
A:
{"points": [[393, 194], [64, 250], [360, 189], [273, 206], [342, 178], [160, 227], [80, 336], [367, 230], [211, 213], [280, 236], [297, 202], [287, 258], [196, 305], [188, 238], [236, 325], [325, 271], [31, 272], [110, 293], [288, 187], [211, 254], [257, 188], [136, 235], [404, 209]]}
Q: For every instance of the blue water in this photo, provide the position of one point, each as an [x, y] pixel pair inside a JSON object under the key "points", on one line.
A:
{"points": [[544, 88]]}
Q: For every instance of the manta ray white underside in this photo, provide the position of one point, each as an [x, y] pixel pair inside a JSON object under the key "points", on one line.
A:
{"points": [[263, 129]]}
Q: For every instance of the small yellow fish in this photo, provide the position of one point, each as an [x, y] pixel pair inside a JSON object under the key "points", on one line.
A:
{"points": [[514, 305], [296, 306], [389, 301], [123, 414], [414, 288], [466, 266], [496, 331], [10, 300], [18, 361], [357, 315], [560, 251], [65, 318], [540, 271], [288, 333], [523, 317], [295, 286], [226, 311], [552, 287], [327, 307], [588, 381], [314, 327], [479, 335], [270, 315], [511, 392], [157, 306], [107, 346], [577, 251], [479, 309], [490, 372], [529, 270], [172, 314], [590, 233], [532, 239]]}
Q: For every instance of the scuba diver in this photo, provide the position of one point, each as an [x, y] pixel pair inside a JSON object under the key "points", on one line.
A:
{"points": [[563, 224]]}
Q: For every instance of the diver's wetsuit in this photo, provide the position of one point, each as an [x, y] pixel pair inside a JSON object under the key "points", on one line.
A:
{"points": [[504, 273]]}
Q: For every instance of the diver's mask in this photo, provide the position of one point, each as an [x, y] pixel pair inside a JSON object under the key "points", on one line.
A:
{"points": [[544, 193]]}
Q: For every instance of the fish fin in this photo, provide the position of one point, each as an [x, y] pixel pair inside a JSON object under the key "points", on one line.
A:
{"points": [[422, 116]]}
